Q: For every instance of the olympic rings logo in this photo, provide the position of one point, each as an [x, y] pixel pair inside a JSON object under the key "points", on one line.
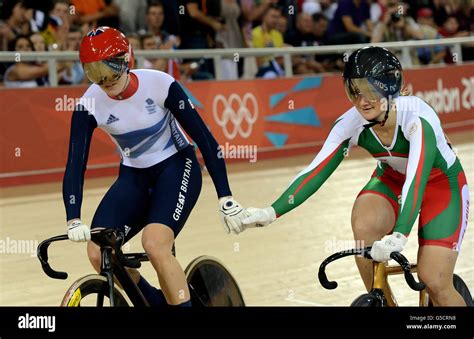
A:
{"points": [[236, 110]]}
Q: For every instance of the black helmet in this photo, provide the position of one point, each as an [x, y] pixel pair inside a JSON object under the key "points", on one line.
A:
{"points": [[374, 72], [379, 67]]}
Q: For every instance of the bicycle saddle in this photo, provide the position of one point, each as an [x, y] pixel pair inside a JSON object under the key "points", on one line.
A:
{"points": [[107, 237]]}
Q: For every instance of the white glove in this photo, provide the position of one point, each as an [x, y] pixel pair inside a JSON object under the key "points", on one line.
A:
{"points": [[259, 217], [77, 231], [382, 249], [231, 214]]}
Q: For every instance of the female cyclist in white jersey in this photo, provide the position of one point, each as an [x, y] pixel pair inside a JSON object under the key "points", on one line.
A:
{"points": [[144, 112]]}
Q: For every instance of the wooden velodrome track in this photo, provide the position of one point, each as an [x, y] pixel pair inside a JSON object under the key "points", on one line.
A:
{"points": [[275, 266]]}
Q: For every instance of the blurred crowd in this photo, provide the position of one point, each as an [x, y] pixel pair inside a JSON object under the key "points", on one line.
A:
{"points": [[59, 25]]}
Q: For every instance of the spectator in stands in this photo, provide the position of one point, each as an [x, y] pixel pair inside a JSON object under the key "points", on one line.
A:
{"points": [[38, 42], [172, 17], [253, 11], [56, 32], [230, 37], [300, 37], [282, 24], [326, 7], [450, 29], [73, 74], [433, 54], [424, 16], [442, 9], [199, 25], [154, 26], [320, 28], [135, 41], [351, 23], [465, 15], [36, 17], [131, 15], [266, 35], [303, 34], [415, 6], [96, 12], [74, 38], [154, 21], [170, 66], [25, 74], [61, 10], [376, 11], [148, 42], [273, 70], [16, 23], [396, 26]]}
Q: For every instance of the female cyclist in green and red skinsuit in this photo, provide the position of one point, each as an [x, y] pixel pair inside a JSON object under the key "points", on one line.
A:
{"points": [[417, 173]]}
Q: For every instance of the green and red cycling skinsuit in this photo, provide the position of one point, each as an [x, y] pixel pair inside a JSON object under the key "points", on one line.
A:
{"points": [[418, 172]]}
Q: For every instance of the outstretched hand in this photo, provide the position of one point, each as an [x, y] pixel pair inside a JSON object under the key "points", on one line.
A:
{"points": [[232, 213], [259, 217]]}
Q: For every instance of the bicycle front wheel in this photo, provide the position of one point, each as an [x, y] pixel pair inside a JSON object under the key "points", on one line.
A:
{"points": [[366, 300], [211, 284], [462, 289], [92, 290]]}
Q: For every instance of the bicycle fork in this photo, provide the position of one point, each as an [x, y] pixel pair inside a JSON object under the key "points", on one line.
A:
{"points": [[106, 270], [380, 283]]}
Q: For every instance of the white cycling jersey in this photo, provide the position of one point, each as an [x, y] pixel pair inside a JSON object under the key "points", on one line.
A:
{"points": [[143, 129]]}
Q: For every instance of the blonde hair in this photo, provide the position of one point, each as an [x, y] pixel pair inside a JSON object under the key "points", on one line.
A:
{"points": [[404, 90]]}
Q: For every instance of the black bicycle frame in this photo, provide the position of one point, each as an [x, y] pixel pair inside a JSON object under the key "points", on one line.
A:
{"points": [[113, 263], [111, 267]]}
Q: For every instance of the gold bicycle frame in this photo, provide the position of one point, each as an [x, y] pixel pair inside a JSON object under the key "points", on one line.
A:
{"points": [[381, 271]]}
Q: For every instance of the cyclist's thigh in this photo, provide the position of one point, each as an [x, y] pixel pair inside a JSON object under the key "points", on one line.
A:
{"points": [[444, 211], [376, 205], [436, 266], [125, 204], [176, 191]]}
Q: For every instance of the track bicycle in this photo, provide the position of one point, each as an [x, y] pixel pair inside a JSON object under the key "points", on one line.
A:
{"points": [[210, 283], [378, 296]]}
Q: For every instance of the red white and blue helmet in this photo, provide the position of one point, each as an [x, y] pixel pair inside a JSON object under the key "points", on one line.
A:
{"points": [[105, 54]]}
